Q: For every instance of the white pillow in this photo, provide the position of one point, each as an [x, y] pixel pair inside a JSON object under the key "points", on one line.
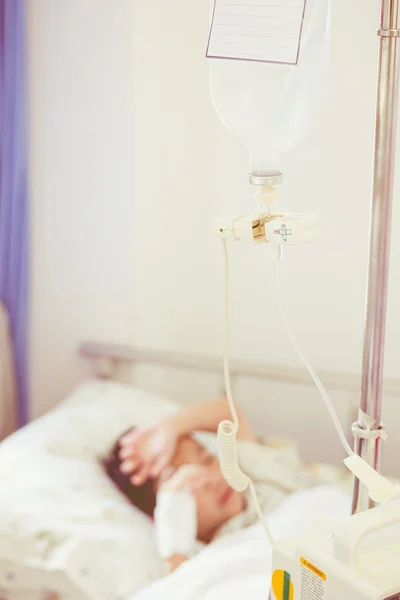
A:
{"points": [[63, 524], [88, 422]]}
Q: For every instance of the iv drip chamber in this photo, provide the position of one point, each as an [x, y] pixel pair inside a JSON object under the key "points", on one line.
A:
{"points": [[270, 107]]}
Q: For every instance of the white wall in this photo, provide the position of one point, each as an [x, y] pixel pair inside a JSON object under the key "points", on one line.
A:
{"points": [[127, 178], [188, 167], [80, 54]]}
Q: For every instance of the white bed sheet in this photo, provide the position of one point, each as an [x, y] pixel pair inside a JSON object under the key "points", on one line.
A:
{"points": [[64, 527], [239, 566]]}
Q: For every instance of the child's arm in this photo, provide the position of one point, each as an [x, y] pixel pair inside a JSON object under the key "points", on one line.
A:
{"points": [[146, 452], [206, 416]]}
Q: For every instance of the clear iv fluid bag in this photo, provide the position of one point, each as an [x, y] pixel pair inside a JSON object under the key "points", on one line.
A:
{"points": [[270, 107]]}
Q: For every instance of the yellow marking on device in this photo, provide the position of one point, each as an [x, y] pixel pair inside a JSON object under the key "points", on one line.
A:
{"points": [[282, 585], [313, 568]]}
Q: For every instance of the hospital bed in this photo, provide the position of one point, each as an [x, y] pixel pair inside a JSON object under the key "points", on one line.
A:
{"points": [[66, 533], [7, 379], [64, 528]]}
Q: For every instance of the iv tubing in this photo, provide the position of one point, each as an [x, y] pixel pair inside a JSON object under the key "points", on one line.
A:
{"points": [[227, 377], [310, 368], [229, 391]]}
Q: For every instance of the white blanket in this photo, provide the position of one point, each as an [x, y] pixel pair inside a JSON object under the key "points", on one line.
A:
{"points": [[239, 566]]}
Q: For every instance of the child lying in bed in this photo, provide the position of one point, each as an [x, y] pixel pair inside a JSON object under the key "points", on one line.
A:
{"points": [[169, 475]]}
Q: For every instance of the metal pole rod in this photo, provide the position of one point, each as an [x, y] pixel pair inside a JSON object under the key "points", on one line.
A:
{"points": [[380, 228]]}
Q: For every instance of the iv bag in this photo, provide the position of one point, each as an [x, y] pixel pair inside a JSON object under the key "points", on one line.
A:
{"points": [[270, 107]]}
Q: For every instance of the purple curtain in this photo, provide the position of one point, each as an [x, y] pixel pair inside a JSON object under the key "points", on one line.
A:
{"points": [[13, 187]]}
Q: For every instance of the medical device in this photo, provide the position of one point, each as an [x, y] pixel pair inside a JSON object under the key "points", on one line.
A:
{"points": [[358, 558], [255, 101], [262, 226], [269, 106]]}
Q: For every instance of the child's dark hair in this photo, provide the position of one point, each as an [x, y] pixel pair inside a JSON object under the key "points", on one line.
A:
{"points": [[142, 496]]}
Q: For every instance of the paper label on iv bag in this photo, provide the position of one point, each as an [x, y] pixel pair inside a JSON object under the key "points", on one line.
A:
{"points": [[257, 30], [312, 581]]}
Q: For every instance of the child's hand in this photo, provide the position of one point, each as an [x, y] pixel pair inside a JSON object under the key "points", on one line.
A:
{"points": [[146, 452]]}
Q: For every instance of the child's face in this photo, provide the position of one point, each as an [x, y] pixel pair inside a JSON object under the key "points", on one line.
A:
{"points": [[217, 502]]}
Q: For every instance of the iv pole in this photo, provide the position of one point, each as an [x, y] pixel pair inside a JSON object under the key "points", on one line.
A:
{"points": [[368, 430]]}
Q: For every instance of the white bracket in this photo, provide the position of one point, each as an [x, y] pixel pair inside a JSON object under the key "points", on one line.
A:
{"points": [[280, 229]]}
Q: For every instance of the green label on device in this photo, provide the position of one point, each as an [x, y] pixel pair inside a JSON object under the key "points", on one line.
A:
{"points": [[282, 585], [286, 586]]}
